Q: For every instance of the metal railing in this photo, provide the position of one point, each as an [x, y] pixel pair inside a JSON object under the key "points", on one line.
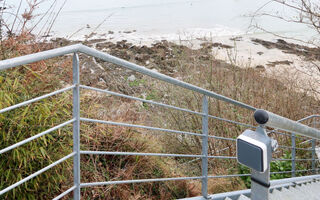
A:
{"points": [[277, 122]]}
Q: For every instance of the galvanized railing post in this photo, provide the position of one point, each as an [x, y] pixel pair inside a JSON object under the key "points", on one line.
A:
{"points": [[260, 181], [313, 143], [205, 110], [293, 155], [76, 127]]}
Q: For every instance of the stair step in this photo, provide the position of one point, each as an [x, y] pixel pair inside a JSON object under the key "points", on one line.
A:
{"points": [[300, 191], [308, 191], [275, 195]]}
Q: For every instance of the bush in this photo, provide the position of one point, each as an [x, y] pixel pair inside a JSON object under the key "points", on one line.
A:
{"points": [[22, 123], [275, 166]]}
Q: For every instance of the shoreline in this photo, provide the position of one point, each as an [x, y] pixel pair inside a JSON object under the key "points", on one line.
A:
{"points": [[286, 60]]}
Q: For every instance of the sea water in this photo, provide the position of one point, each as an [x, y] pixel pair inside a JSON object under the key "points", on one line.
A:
{"points": [[151, 18]]}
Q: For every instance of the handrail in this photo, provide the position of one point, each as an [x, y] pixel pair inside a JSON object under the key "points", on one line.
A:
{"points": [[35, 57], [286, 124]]}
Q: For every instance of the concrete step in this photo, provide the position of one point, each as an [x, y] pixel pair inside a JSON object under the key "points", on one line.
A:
{"points": [[299, 191], [308, 191], [305, 191]]}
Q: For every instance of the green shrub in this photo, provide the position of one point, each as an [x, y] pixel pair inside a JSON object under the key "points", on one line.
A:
{"points": [[24, 122], [275, 166]]}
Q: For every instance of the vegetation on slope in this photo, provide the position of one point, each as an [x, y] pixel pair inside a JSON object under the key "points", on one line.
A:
{"points": [[194, 66]]}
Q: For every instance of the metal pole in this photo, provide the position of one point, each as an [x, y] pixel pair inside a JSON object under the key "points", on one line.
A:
{"points": [[293, 155], [76, 127], [205, 110], [260, 182], [279, 122], [313, 143]]}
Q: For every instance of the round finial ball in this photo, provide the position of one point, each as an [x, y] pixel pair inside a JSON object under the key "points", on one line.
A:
{"points": [[261, 116]]}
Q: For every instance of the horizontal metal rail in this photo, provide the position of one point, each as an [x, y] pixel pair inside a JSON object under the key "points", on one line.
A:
{"points": [[289, 147], [64, 193], [36, 136], [223, 157], [306, 170], [229, 176], [231, 121], [36, 173], [304, 149], [139, 126], [221, 138], [151, 154], [35, 57], [140, 99], [139, 154], [304, 142], [284, 172], [138, 181], [309, 117], [282, 159], [281, 172], [278, 132], [35, 99], [306, 159], [285, 147]]}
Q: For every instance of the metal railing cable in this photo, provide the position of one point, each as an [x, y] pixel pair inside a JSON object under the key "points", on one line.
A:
{"points": [[276, 122], [140, 99], [36, 173], [35, 99], [140, 126], [36, 136]]}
